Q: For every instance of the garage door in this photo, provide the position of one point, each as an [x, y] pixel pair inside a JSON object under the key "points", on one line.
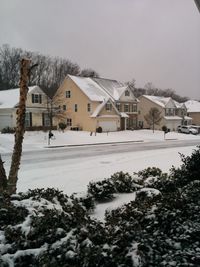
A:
{"points": [[5, 120], [108, 126]]}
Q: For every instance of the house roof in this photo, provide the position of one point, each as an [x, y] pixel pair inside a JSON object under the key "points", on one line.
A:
{"points": [[10, 98], [192, 106], [90, 88], [101, 106], [159, 100], [99, 89], [172, 118], [114, 88]]}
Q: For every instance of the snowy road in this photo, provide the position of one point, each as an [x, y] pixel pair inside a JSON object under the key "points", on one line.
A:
{"points": [[71, 169], [81, 152]]}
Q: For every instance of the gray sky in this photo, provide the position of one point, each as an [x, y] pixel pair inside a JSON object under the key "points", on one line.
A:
{"points": [[154, 41]]}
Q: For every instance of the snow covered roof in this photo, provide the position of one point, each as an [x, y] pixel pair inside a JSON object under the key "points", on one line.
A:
{"points": [[99, 89], [114, 88], [124, 115], [179, 105], [192, 106], [90, 88], [159, 100], [172, 118], [10, 98], [101, 106]]}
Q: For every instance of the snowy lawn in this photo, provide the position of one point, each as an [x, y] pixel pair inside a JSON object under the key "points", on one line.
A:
{"points": [[39, 140]]}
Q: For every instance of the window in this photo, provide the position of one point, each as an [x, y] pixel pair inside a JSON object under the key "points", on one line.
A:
{"points": [[36, 98], [134, 108], [28, 119], [169, 112], [69, 122], [46, 119], [118, 106], [88, 107], [127, 93], [68, 94], [64, 107], [108, 106], [126, 108], [75, 107]]}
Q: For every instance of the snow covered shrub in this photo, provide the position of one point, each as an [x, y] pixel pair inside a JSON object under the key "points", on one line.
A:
{"points": [[62, 126], [8, 130], [102, 190], [148, 193], [189, 170], [36, 223], [124, 183], [150, 171]]}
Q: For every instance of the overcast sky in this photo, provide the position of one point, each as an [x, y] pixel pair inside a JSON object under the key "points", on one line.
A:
{"points": [[154, 41]]}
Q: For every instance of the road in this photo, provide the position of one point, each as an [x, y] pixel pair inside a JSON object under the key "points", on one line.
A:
{"points": [[80, 152], [72, 168]]}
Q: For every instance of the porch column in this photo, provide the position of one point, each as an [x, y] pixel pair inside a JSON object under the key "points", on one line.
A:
{"points": [[125, 123]]}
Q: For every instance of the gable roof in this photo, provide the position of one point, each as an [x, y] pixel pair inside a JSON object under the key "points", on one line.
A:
{"points": [[192, 106], [90, 88], [99, 89], [159, 100], [10, 98], [101, 106]]}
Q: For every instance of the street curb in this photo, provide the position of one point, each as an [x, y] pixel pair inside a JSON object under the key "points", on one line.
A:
{"points": [[95, 144]]}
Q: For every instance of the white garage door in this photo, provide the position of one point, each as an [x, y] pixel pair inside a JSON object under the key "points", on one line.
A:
{"points": [[108, 126], [5, 120]]}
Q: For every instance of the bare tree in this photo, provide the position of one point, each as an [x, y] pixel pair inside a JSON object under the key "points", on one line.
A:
{"points": [[89, 73], [153, 117]]}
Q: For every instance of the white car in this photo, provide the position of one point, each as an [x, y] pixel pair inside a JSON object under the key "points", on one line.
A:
{"points": [[188, 129]]}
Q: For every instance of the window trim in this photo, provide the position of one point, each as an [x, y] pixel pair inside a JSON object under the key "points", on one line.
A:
{"points": [[68, 94]]}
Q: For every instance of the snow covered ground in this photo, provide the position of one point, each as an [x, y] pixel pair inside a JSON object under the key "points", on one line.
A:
{"points": [[39, 140], [74, 175]]}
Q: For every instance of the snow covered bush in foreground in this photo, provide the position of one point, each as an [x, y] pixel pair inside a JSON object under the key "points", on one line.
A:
{"points": [[46, 228]]}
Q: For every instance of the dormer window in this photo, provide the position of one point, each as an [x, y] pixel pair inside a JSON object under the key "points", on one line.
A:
{"points": [[127, 93], [108, 106], [37, 98]]}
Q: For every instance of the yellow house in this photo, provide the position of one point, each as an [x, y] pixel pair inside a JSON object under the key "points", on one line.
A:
{"points": [[36, 108], [172, 113], [90, 103]]}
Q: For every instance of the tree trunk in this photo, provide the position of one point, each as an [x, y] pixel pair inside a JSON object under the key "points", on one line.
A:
{"points": [[20, 127], [3, 178]]}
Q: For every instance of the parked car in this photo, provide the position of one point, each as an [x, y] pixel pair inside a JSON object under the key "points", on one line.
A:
{"points": [[188, 129]]}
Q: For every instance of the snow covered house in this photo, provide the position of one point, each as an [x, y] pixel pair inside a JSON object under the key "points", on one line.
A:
{"points": [[193, 110], [90, 103], [173, 113], [36, 108]]}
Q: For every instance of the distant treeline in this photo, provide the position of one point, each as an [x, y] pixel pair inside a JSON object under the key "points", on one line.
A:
{"points": [[51, 71]]}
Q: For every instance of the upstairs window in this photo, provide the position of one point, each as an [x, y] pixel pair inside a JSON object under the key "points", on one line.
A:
{"points": [[134, 108], [88, 107], [127, 93], [75, 107], [64, 107], [37, 98], [108, 106], [126, 108], [118, 106], [68, 94]]}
